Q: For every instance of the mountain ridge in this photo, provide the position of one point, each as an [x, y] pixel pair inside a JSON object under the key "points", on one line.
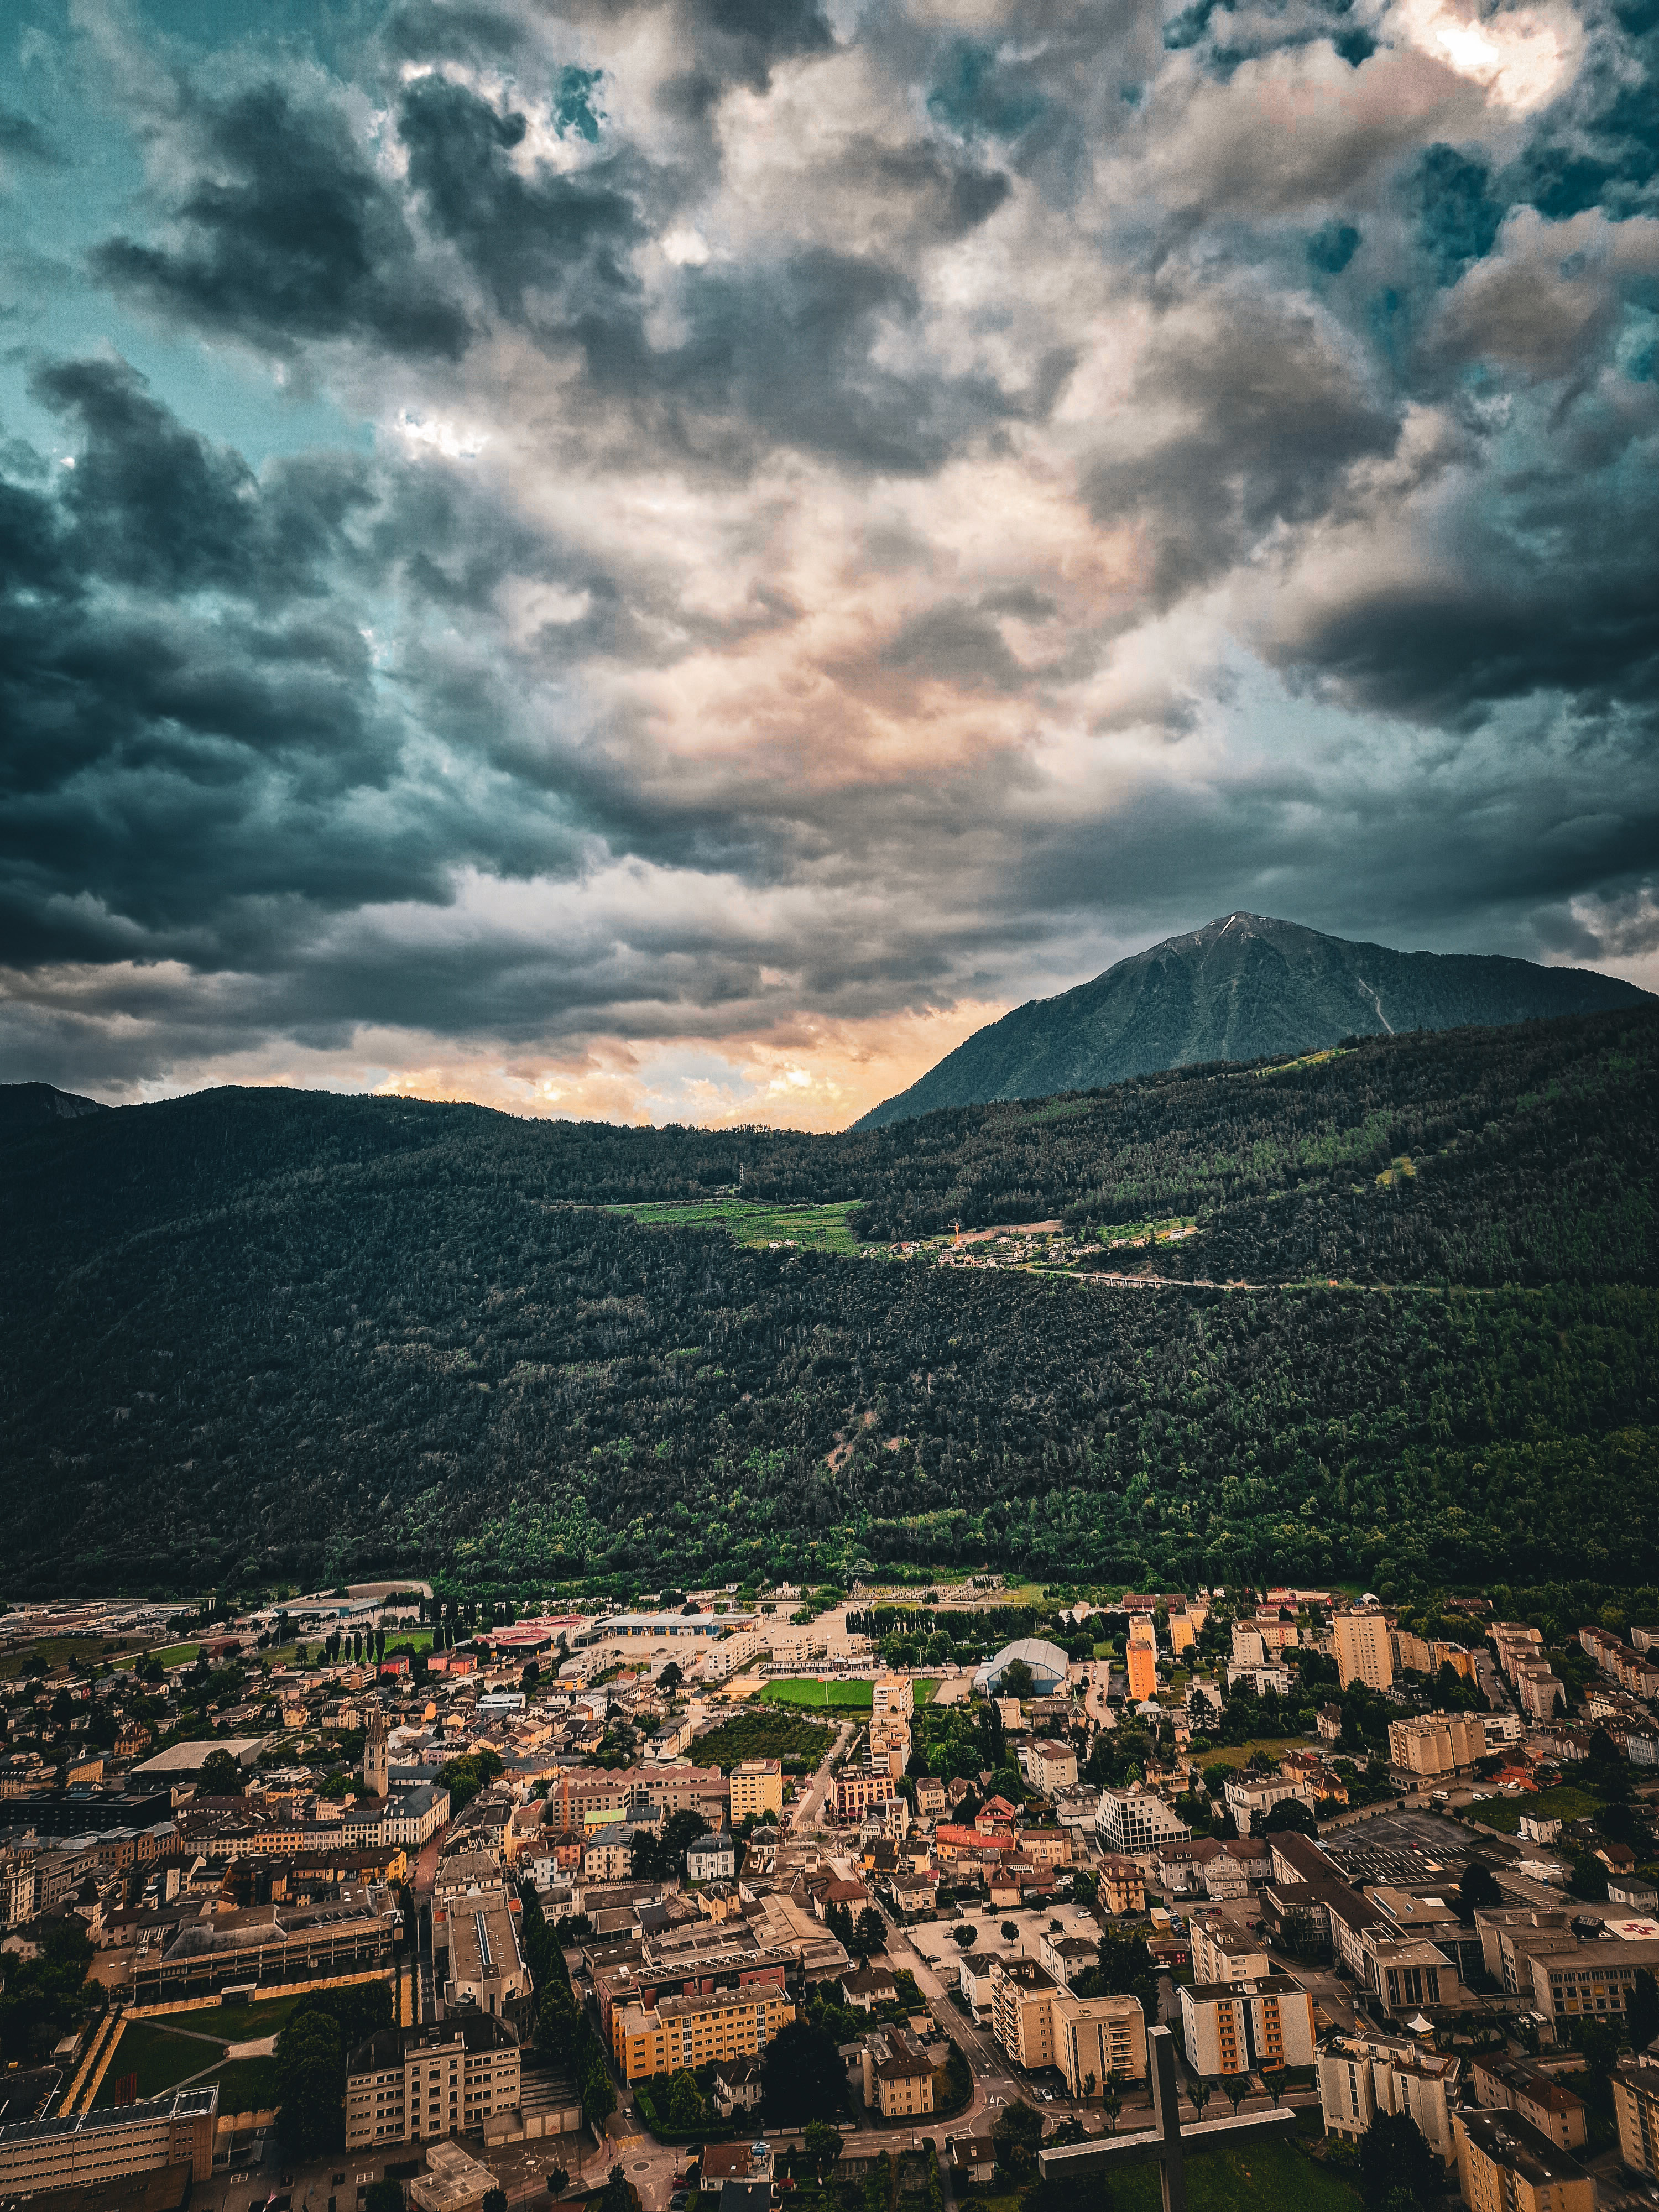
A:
{"points": [[27, 1107], [1243, 987]]}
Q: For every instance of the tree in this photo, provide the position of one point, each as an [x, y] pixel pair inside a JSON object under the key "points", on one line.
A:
{"points": [[962, 1933], [598, 2090], [1478, 1890], [1017, 1679], [311, 2082], [1289, 1816], [1237, 2088], [822, 2145], [494, 2200], [1017, 2137], [558, 2180], [1588, 1878], [384, 2197], [1112, 2099], [619, 2194], [1642, 2015], [686, 2107], [670, 1678], [803, 2079], [870, 1931], [1394, 2156], [221, 1776], [1009, 1931]]}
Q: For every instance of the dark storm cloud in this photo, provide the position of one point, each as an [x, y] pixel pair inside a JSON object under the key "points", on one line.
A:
{"points": [[23, 140], [814, 482], [1274, 417], [559, 235], [290, 235]]}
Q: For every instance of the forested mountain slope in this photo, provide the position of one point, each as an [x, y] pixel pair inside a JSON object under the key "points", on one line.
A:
{"points": [[259, 1333], [1526, 1155], [1242, 987]]}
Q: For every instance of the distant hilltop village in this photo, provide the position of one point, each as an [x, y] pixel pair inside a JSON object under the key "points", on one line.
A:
{"points": [[877, 1861]]}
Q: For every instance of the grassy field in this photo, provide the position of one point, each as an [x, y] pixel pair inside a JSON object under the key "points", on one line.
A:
{"points": [[1269, 2172], [50, 1651], [1566, 1803], [814, 1228], [248, 2085], [170, 1655], [1239, 1754], [159, 2057], [819, 1697], [238, 2023]]}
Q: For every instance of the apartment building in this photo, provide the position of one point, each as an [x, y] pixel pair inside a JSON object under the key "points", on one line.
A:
{"points": [[89, 2150], [1516, 1643], [1437, 1743], [689, 2032], [1636, 2107], [1249, 1646], [1540, 1690], [894, 1696], [1232, 2028], [1360, 2076], [1505, 2165], [1135, 1820], [1039, 2022], [757, 1789], [1122, 1886], [1223, 1953], [1050, 1765], [1248, 1795], [1543, 2102], [16, 1887], [413, 2084], [898, 2079], [1364, 1653], [856, 1790], [1141, 1660]]}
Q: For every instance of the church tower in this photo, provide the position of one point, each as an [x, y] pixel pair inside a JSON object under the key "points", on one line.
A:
{"points": [[377, 1764]]}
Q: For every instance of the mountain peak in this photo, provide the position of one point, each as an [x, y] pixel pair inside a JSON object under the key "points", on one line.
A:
{"points": [[1242, 986]]}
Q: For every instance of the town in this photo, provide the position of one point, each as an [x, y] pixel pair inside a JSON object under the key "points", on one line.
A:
{"points": [[726, 1896]]}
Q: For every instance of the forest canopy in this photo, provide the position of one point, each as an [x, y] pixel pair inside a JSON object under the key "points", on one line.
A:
{"points": [[253, 1333]]}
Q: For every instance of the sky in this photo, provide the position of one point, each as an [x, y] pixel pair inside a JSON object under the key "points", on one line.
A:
{"points": [[671, 561]]}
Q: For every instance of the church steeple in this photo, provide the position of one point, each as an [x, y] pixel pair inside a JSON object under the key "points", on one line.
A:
{"points": [[377, 1760]]}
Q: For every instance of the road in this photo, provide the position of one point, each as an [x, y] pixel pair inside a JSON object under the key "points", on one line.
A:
{"points": [[807, 1809]]}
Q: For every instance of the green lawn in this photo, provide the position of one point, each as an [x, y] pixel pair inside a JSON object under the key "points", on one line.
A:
{"points": [[1240, 1754], [1269, 2176], [814, 1228], [171, 1655], [1567, 1802], [159, 2059], [248, 2085], [820, 1697], [238, 2023]]}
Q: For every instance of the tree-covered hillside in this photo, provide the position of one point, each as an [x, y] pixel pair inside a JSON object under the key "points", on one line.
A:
{"points": [[255, 1333], [1523, 1154]]}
